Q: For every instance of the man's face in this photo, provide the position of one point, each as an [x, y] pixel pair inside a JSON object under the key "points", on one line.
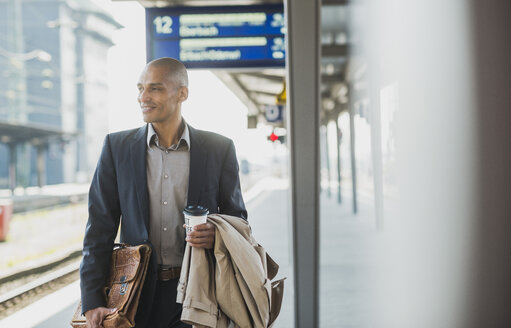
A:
{"points": [[159, 98]]}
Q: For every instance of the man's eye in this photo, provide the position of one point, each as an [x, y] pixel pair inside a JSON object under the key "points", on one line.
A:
{"points": [[155, 89]]}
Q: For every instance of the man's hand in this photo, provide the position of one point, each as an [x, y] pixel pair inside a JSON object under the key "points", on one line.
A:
{"points": [[95, 316], [202, 236]]}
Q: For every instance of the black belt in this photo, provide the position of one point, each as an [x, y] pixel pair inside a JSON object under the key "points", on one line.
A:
{"points": [[168, 274]]}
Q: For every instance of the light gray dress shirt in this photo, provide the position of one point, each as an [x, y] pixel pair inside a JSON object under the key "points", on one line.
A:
{"points": [[168, 170]]}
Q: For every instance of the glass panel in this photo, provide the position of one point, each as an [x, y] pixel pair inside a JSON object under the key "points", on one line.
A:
{"points": [[347, 199]]}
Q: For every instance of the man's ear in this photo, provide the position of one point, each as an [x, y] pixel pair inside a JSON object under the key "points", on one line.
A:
{"points": [[183, 94]]}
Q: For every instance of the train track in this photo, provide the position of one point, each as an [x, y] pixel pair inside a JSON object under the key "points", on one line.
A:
{"points": [[36, 283]]}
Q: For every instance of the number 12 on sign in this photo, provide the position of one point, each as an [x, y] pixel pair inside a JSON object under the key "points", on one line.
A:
{"points": [[163, 24]]}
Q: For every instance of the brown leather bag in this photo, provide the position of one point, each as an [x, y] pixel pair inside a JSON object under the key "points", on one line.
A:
{"points": [[127, 274]]}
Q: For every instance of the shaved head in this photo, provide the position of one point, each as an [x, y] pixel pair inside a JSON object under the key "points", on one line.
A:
{"points": [[175, 70]]}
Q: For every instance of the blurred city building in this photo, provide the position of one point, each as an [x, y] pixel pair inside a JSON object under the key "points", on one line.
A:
{"points": [[54, 90]]}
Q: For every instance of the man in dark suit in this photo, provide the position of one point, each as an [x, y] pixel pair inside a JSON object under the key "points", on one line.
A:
{"points": [[147, 176]]}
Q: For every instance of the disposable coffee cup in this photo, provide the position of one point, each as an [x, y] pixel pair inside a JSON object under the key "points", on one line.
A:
{"points": [[194, 215]]}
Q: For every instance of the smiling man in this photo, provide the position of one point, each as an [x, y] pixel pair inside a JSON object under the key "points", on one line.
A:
{"points": [[148, 176]]}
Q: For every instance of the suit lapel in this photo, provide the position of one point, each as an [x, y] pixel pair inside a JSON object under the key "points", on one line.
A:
{"points": [[197, 166], [138, 159]]}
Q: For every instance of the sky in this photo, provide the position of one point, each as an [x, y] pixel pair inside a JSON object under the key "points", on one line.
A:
{"points": [[210, 105]]}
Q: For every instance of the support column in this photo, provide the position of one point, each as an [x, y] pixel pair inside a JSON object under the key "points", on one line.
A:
{"points": [[41, 167], [339, 139], [376, 153], [327, 154], [12, 166], [491, 245], [303, 80], [352, 149]]}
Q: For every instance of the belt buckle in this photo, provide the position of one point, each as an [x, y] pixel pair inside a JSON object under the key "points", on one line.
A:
{"points": [[166, 274], [162, 274]]}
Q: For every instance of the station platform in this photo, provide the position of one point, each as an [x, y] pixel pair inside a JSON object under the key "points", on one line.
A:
{"points": [[343, 262], [34, 198]]}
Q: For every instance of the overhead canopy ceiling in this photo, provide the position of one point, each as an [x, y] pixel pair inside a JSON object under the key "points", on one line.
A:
{"points": [[259, 88], [13, 133]]}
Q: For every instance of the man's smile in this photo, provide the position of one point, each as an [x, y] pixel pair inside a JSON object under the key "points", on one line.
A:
{"points": [[147, 108]]}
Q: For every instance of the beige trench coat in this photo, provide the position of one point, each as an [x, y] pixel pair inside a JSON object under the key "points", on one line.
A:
{"points": [[231, 285]]}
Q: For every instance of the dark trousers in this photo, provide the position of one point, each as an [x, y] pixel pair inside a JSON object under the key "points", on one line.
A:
{"points": [[165, 312]]}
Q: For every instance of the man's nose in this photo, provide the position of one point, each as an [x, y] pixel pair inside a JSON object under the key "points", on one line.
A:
{"points": [[143, 96]]}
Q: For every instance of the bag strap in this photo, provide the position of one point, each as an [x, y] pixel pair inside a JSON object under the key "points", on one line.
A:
{"points": [[120, 245]]}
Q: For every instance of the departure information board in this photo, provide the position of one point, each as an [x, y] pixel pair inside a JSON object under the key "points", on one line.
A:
{"points": [[218, 37]]}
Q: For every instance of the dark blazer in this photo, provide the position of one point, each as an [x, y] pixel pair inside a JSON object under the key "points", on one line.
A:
{"points": [[119, 189]]}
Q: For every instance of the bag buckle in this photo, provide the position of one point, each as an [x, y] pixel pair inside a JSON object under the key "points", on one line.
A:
{"points": [[124, 286]]}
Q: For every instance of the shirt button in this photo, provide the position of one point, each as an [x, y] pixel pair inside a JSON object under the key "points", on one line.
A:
{"points": [[166, 176], [165, 229], [166, 151], [165, 202]]}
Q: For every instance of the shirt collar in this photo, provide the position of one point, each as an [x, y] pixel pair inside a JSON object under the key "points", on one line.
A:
{"points": [[185, 136]]}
